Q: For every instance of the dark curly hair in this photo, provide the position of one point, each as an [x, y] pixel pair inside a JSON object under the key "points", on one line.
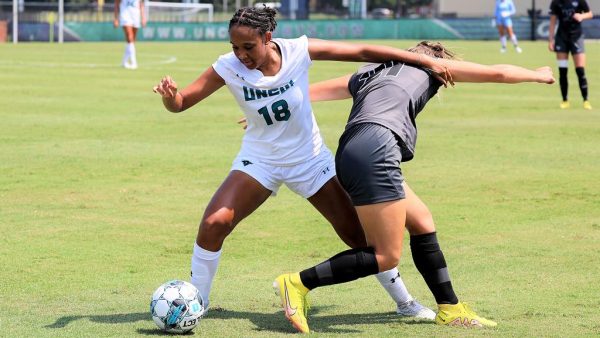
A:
{"points": [[262, 19], [433, 49]]}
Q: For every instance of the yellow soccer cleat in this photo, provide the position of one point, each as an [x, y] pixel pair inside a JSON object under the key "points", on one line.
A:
{"points": [[587, 105], [565, 105], [461, 315], [293, 299]]}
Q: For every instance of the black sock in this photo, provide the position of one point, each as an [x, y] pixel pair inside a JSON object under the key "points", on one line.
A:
{"points": [[582, 82], [564, 82], [343, 267], [430, 262]]}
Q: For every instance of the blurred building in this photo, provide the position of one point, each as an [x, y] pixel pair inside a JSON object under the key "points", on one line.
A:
{"points": [[479, 8]]}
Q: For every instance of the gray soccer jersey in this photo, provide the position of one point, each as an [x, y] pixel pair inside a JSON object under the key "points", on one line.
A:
{"points": [[391, 94]]}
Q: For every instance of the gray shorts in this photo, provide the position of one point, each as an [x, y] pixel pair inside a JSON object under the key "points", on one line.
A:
{"points": [[368, 164], [562, 45]]}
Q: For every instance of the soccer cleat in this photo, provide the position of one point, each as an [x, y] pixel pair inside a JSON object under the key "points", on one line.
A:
{"points": [[518, 50], [565, 105], [587, 105], [414, 309], [503, 50], [460, 315], [293, 299]]}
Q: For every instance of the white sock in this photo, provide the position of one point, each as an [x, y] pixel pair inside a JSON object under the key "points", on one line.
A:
{"points": [[503, 41], [393, 284], [132, 56], [513, 38], [204, 267], [125, 55]]}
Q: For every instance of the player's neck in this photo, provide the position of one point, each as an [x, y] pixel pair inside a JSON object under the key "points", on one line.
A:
{"points": [[272, 65]]}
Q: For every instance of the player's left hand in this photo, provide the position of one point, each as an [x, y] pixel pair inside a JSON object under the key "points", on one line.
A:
{"points": [[578, 17], [243, 122], [439, 70]]}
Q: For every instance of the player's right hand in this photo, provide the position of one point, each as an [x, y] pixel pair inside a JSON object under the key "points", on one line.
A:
{"points": [[166, 87], [116, 23], [551, 46], [546, 75]]}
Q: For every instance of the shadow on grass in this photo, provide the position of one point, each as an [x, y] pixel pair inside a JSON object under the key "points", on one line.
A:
{"points": [[108, 319], [276, 322], [270, 322]]}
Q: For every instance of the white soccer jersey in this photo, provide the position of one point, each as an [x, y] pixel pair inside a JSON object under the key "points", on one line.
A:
{"points": [[281, 126], [130, 13]]}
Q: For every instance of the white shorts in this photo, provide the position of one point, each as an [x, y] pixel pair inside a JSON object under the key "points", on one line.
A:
{"points": [[305, 179], [130, 17]]}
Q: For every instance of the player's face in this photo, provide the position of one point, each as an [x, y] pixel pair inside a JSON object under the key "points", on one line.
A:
{"points": [[248, 46]]}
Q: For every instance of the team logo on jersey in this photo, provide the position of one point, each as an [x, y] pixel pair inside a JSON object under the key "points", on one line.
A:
{"points": [[251, 94], [575, 3], [246, 162]]}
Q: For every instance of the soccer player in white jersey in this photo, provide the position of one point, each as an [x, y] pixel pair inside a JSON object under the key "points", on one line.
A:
{"points": [[282, 144], [504, 10], [130, 15]]}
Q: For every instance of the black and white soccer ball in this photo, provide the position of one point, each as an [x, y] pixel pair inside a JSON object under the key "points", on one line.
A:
{"points": [[176, 306]]}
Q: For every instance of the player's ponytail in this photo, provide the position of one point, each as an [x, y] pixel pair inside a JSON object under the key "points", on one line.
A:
{"points": [[262, 19], [433, 49]]}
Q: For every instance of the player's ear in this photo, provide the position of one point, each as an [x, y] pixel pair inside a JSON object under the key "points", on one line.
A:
{"points": [[268, 37]]}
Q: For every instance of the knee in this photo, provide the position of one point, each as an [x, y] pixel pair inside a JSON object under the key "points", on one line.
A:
{"points": [[387, 261], [217, 225], [421, 223]]}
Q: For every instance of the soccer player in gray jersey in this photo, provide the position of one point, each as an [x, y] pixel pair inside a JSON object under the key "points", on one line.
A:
{"points": [[569, 39], [381, 134]]}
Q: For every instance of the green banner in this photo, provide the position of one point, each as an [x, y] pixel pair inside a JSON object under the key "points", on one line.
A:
{"points": [[323, 29]]}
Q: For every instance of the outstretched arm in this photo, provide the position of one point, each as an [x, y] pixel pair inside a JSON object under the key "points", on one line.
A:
{"points": [[176, 101], [343, 51], [463, 71], [329, 90]]}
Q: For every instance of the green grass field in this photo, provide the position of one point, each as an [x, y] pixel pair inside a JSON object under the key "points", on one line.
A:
{"points": [[101, 192]]}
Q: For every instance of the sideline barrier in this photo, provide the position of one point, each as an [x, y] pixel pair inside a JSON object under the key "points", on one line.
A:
{"points": [[415, 29]]}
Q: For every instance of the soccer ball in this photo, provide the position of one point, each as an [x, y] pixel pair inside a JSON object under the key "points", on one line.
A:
{"points": [[176, 306]]}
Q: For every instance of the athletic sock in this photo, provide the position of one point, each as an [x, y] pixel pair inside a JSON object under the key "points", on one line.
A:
{"points": [[341, 268], [503, 41], [564, 82], [583, 86], [126, 54], [394, 285], [430, 262], [132, 55], [514, 40], [204, 268]]}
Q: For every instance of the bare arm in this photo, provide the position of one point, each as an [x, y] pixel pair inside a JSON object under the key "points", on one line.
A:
{"points": [[116, 13], [176, 101], [583, 16], [143, 13], [463, 71], [551, 30], [343, 51], [329, 90]]}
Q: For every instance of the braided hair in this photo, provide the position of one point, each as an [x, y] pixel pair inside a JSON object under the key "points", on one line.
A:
{"points": [[433, 49], [262, 19]]}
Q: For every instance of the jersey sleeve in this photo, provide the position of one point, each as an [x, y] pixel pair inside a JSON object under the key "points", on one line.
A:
{"points": [[553, 8], [303, 42], [223, 66], [583, 5]]}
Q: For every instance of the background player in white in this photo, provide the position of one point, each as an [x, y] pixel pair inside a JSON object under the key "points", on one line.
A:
{"points": [[381, 133], [282, 144], [569, 39], [504, 10], [130, 15]]}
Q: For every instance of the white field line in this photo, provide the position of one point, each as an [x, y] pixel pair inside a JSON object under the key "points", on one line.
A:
{"points": [[41, 64]]}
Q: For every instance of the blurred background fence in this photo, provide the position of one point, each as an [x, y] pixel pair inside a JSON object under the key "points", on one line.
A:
{"points": [[337, 19]]}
